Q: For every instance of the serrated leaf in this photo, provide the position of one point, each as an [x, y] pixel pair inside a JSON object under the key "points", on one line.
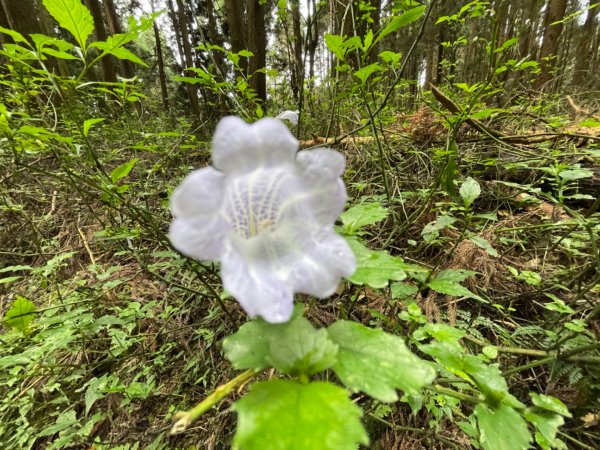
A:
{"points": [[452, 288], [501, 428], [375, 268], [368, 40], [123, 170], [400, 21], [549, 403], [431, 231], [123, 53], [455, 275], [15, 35], [377, 363], [20, 314], [364, 73], [283, 414], [547, 424], [361, 215], [73, 16], [89, 123], [576, 174], [403, 291], [93, 392], [334, 44], [469, 191], [483, 243], [299, 348]]}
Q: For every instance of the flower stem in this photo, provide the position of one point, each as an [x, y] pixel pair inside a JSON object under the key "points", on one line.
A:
{"points": [[183, 419]]}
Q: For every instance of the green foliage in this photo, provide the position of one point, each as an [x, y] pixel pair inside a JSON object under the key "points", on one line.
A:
{"points": [[362, 215], [377, 363], [320, 414], [74, 17], [20, 314]]}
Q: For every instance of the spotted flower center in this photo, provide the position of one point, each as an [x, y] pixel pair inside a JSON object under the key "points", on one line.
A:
{"points": [[254, 202]]}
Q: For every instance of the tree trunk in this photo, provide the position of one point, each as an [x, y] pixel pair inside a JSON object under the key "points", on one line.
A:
{"points": [[176, 27], [257, 43], [107, 63], [161, 69], [554, 13], [585, 49], [312, 31], [21, 16], [115, 28], [235, 10], [297, 77], [187, 52]]}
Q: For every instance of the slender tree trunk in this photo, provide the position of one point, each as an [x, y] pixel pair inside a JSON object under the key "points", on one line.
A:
{"points": [[585, 47], [176, 27], [257, 43], [161, 69], [21, 16], [297, 70], [115, 28], [312, 30], [235, 10], [549, 51], [107, 63], [189, 59]]}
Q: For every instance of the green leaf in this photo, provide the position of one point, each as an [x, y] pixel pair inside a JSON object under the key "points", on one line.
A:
{"points": [[431, 231], [483, 243], [299, 348], [58, 53], [549, 403], [16, 36], [335, 45], [547, 425], [361, 215], [440, 332], [377, 363], [20, 314], [123, 170], [368, 40], [469, 191], [452, 288], [575, 174], [400, 21], [558, 305], [501, 428], [375, 268], [490, 351], [283, 414], [403, 291], [89, 123], [295, 347], [455, 275], [592, 123], [73, 16], [364, 73]]}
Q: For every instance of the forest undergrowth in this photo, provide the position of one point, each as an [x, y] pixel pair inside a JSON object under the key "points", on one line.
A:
{"points": [[475, 223]]}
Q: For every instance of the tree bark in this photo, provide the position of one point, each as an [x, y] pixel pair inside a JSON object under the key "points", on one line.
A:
{"points": [[187, 52], [115, 28], [257, 43], [235, 10], [161, 69], [297, 77], [107, 63], [21, 16], [555, 13], [585, 47]]}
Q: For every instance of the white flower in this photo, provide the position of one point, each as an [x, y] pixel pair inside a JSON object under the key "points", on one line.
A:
{"points": [[266, 212], [292, 116]]}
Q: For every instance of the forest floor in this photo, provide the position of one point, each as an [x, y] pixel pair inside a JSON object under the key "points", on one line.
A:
{"points": [[127, 332]]}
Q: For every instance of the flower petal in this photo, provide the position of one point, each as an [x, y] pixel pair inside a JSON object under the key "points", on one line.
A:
{"points": [[201, 192], [240, 147], [199, 238], [254, 287], [321, 163], [322, 201], [323, 257]]}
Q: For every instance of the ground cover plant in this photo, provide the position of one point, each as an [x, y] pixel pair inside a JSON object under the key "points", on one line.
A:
{"points": [[293, 225]]}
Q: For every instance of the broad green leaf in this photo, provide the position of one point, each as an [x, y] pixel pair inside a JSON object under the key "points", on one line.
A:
{"points": [[15, 35], [362, 215], [431, 231], [592, 123], [58, 53], [335, 45], [123, 170], [74, 17], [558, 305], [89, 123], [364, 73], [547, 425], [368, 40], [403, 291], [483, 243], [549, 403], [298, 348], [20, 314], [455, 275], [377, 363], [375, 268], [283, 414], [490, 351], [469, 191], [94, 392], [452, 288], [248, 347], [575, 174], [501, 428], [64, 420], [440, 332], [400, 21], [390, 57]]}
